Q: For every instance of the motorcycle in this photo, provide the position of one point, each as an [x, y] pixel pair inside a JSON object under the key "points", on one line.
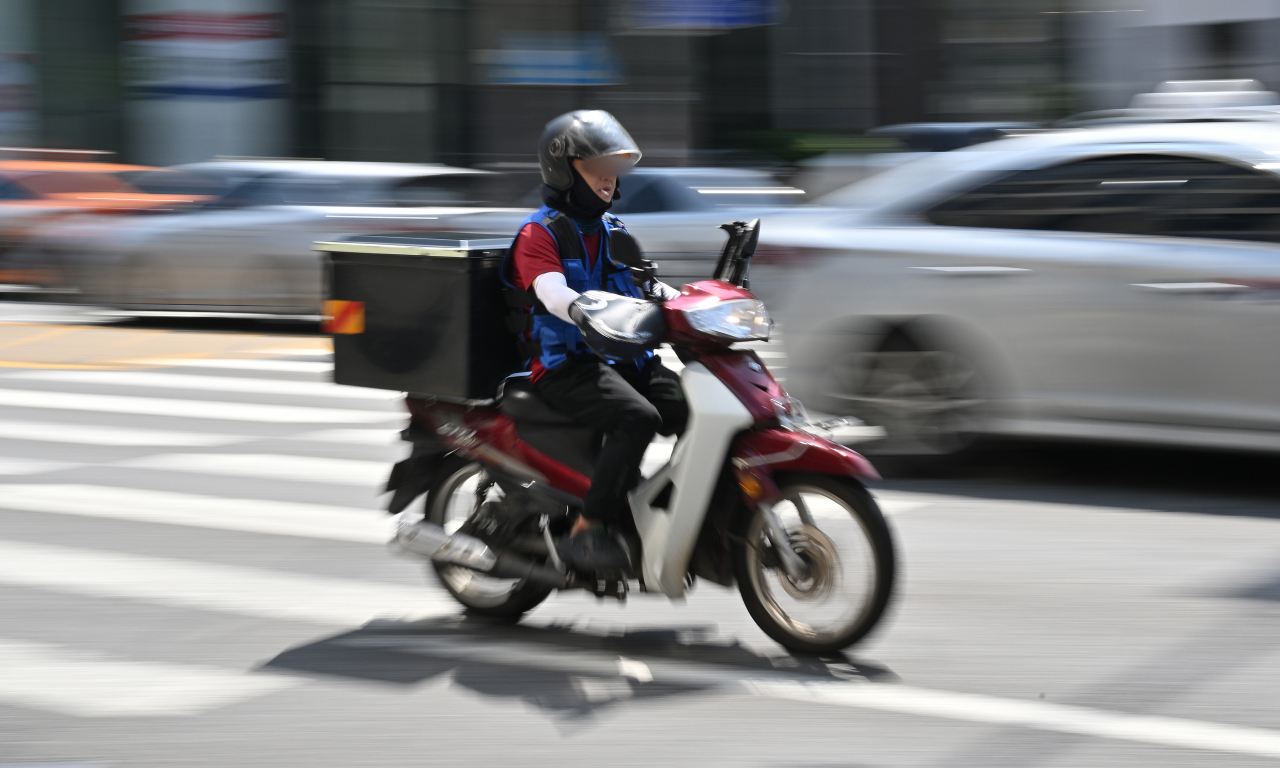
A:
{"points": [[754, 493]]}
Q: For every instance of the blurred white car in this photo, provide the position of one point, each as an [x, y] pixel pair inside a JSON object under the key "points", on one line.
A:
{"points": [[251, 249], [1119, 282], [674, 213]]}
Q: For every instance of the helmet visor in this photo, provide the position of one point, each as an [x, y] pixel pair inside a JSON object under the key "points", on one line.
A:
{"points": [[612, 165], [596, 133]]}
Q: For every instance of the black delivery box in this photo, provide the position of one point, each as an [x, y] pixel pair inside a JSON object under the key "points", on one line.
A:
{"points": [[421, 313]]}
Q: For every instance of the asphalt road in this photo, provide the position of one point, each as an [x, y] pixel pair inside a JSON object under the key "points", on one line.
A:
{"points": [[192, 573]]}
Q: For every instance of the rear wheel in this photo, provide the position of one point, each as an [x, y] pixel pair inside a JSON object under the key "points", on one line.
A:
{"points": [[836, 528], [452, 503]]}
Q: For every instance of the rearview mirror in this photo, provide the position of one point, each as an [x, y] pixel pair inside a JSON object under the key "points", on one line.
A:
{"points": [[625, 249]]}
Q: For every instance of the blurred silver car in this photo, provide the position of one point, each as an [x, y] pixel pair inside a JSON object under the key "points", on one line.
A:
{"points": [[1111, 283], [674, 213], [251, 249]]}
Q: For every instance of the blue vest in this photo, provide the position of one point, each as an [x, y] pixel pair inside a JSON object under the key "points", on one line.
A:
{"points": [[558, 339]]}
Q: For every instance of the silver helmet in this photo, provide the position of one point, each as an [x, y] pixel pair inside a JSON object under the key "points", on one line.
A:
{"points": [[584, 134]]}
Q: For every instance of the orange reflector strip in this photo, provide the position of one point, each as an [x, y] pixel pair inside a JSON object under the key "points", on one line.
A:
{"points": [[343, 317]]}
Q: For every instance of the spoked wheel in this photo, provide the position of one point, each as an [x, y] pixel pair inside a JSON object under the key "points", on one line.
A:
{"points": [[453, 503], [839, 534]]}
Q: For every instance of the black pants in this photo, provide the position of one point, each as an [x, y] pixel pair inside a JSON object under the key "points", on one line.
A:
{"points": [[628, 404]]}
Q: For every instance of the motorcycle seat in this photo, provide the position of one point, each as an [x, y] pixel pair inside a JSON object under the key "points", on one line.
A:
{"points": [[520, 402]]}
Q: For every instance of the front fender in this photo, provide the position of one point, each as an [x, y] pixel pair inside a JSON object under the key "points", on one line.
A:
{"points": [[785, 450]]}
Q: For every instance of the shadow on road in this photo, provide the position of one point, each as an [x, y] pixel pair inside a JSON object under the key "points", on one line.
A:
{"points": [[1135, 477], [556, 668]]}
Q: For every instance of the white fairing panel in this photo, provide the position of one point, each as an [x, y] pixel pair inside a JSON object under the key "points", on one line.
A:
{"points": [[669, 535]]}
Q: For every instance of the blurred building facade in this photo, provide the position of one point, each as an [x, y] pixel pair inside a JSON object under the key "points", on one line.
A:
{"points": [[1124, 49], [471, 82]]}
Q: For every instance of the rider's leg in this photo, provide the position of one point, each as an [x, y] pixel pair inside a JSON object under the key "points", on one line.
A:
{"points": [[594, 394], [661, 386]]}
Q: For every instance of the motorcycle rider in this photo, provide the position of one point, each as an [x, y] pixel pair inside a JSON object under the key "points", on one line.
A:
{"points": [[561, 251]]}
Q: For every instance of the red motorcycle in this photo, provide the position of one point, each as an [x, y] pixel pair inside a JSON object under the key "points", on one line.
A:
{"points": [[753, 494]]}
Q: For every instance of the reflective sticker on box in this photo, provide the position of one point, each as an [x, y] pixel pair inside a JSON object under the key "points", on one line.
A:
{"points": [[343, 317]]}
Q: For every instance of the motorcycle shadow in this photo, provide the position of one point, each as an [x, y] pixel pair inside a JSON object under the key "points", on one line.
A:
{"points": [[557, 667]]}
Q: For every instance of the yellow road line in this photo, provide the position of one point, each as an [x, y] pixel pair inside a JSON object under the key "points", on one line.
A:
{"points": [[40, 336], [92, 347]]}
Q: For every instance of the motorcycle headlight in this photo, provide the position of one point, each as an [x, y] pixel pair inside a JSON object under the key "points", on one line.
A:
{"points": [[739, 320]]}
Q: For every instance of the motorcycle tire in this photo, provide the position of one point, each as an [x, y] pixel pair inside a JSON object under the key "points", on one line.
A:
{"points": [[481, 595], [867, 533]]}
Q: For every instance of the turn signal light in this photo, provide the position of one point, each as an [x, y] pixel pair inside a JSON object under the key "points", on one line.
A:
{"points": [[750, 486], [343, 317]]}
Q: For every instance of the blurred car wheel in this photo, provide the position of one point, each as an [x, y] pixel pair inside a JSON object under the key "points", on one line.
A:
{"points": [[927, 400]]}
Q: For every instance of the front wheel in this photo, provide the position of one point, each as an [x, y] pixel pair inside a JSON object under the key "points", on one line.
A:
{"points": [[836, 528]]}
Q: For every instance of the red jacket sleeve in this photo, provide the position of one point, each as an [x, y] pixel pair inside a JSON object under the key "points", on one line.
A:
{"points": [[534, 253]]}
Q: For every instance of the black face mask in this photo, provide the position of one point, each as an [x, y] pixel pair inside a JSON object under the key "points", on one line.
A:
{"points": [[580, 202]]}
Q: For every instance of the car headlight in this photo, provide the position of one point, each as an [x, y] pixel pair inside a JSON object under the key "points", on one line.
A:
{"points": [[738, 319]]}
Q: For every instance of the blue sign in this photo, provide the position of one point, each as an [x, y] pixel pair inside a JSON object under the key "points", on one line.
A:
{"points": [[551, 59], [701, 14]]}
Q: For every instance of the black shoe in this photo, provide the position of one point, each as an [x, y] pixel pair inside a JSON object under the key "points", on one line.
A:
{"points": [[592, 550]]}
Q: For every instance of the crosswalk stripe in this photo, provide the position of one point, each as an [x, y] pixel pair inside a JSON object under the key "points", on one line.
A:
{"points": [[12, 466], [73, 682], [237, 590], [315, 521], [308, 469], [266, 364], [57, 432], [208, 383], [191, 409], [352, 436]]}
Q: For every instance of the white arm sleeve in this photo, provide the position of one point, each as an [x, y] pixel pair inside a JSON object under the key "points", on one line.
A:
{"points": [[555, 294]]}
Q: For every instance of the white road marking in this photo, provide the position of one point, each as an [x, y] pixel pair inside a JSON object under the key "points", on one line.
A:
{"points": [[73, 682], [293, 352], [309, 469], [237, 590], [353, 436], [315, 521], [133, 379], [1037, 715], [893, 503], [84, 434], [883, 697], [248, 364], [191, 409], [9, 466]]}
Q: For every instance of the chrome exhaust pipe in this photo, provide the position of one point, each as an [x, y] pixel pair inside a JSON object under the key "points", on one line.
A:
{"points": [[429, 541]]}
